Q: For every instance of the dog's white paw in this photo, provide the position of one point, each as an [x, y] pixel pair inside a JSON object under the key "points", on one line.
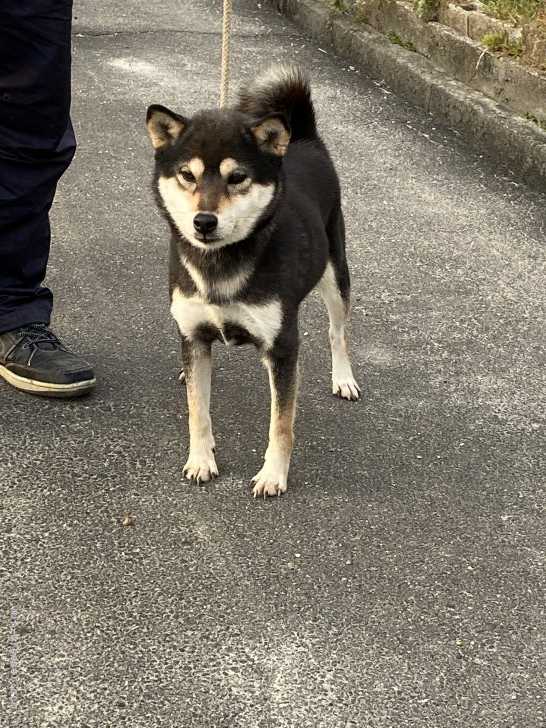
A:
{"points": [[200, 467], [346, 388], [269, 481]]}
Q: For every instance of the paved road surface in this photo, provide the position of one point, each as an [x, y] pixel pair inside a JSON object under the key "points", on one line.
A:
{"points": [[400, 582]]}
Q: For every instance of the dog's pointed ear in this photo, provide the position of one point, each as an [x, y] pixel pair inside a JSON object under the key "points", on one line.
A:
{"points": [[164, 126], [272, 133]]}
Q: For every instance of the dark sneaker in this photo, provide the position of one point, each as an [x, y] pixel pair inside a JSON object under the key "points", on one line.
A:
{"points": [[33, 359]]}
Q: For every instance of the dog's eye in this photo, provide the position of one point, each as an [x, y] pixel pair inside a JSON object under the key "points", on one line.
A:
{"points": [[186, 175], [237, 178]]}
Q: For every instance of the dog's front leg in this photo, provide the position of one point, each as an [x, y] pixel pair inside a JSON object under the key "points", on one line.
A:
{"points": [[283, 379], [197, 361]]}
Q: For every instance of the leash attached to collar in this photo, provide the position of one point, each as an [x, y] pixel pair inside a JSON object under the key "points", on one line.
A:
{"points": [[226, 39]]}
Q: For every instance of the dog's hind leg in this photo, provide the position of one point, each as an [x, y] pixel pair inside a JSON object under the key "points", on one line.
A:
{"points": [[343, 381], [335, 288], [283, 380], [197, 361]]}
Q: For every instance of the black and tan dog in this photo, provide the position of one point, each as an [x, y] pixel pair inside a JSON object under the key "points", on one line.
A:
{"points": [[253, 202]]}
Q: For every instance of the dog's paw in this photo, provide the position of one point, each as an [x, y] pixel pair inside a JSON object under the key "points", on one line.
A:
{"points": [[269, 481], [200, 468], [182, 376], [346, 389]]}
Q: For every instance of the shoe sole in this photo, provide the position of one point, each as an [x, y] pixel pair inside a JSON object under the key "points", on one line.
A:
{"points": [[47, 389]]}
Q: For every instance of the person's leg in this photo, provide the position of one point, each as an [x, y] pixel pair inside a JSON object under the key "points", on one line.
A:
{"points": [[36, 146]]}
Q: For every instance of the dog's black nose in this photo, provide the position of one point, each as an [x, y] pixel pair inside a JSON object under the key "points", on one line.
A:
{"points": [[205, 223]]}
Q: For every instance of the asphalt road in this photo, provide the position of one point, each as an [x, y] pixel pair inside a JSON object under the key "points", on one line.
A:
{"points": [[400, 581]]}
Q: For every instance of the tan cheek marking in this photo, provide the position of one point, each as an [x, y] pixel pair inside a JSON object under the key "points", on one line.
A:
{"points": [[176, 198], [224, 204], [229, 202], [189, 200]]}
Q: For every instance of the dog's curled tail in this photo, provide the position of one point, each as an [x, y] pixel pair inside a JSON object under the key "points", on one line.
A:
{"points": [[283, 89]]}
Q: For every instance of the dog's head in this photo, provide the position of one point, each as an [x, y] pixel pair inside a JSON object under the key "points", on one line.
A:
{"points": [[218, 173]]}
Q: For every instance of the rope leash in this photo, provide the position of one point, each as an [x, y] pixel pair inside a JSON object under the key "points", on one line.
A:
{"points": [[226, 39]]}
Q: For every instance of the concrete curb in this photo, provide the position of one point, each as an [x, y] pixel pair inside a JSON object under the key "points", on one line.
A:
{"points": [[516, 86], [514, 142]]}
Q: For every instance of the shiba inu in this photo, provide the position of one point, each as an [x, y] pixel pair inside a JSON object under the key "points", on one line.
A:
{"points": [[253, 202]]}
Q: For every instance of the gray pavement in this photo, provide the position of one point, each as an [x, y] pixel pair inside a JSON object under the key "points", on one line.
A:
{"points": [[400, 581]]}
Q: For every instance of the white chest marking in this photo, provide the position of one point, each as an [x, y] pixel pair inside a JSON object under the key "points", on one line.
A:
{"points": [[262, 321]]}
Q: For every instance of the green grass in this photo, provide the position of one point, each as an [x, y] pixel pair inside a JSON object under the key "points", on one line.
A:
{"points": [[427, 10], [338, 6], [397, 40], [514, 11], [541, 123], [501, 43]]}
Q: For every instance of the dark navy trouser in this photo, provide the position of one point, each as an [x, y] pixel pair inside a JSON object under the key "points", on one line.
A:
{"points": [[36, 146]]}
